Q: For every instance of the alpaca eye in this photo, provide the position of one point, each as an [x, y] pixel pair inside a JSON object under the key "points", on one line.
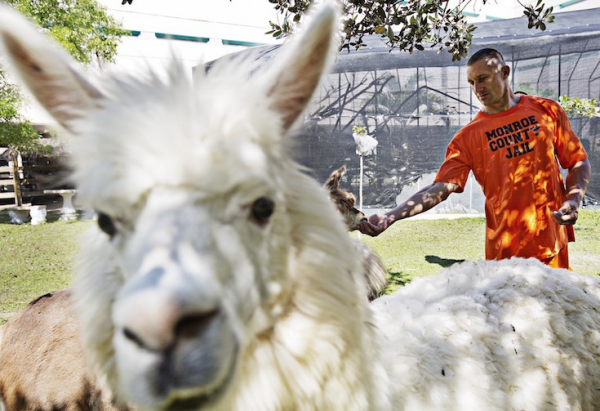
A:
{"points": [[262, 210], [107, 225]]}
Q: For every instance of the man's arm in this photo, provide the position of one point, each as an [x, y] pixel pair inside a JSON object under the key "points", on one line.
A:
{"points": [[578, 178], [419, 202]]}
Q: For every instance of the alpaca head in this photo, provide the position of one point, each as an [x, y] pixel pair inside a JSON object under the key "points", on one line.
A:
{"points": [[343, 200], [202, 215]]}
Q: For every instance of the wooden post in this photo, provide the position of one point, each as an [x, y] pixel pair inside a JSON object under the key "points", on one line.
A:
{"points": [[17, 180]]}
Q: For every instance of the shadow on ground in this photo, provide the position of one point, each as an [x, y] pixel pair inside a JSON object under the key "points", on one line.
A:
{"points": [[443, 262], [397, 280]]}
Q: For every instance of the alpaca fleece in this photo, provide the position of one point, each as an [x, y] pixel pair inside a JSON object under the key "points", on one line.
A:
{"points": [[494, 335]]}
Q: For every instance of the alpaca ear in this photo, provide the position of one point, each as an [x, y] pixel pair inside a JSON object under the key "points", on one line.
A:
{"points": [[334, 179], [301, 65], [46, 69]]}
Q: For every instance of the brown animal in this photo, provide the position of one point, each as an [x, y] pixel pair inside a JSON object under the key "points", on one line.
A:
{"points": [[33, 380], [343, 200], [373, 268]]}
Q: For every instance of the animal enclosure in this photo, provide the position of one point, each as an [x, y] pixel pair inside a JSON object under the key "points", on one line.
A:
{"points": [[230, 281], [414, 103]]}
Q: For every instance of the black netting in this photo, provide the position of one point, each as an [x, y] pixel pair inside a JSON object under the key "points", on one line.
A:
{"points": [[413, 104]]}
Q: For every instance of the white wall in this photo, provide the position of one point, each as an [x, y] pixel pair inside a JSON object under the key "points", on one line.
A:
{"points": [[218, 20], [235, 20]]}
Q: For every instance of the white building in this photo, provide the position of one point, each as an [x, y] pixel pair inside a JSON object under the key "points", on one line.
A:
{"points": [[196, 31]]}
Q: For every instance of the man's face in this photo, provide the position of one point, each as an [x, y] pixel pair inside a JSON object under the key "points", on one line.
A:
{"points": [[489, 81]]}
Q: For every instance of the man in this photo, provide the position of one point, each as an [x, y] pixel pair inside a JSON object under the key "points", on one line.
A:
{"points": [[513, 146]]}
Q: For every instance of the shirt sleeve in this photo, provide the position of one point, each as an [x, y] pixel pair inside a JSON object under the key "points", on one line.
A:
{"points": [[569, 149], [456, 166]]}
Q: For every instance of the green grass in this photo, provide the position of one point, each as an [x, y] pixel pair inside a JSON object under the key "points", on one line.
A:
{"points": [[417, 248], [37, 259]]}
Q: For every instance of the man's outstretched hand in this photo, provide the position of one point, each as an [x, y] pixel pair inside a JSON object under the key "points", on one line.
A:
{"points": [[567, 214], [376, 224]]}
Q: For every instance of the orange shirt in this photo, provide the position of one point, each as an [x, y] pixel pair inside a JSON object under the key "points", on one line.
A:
{"points": [[513, 156]]}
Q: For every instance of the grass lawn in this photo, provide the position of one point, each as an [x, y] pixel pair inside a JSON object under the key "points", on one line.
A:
{"points": [[37, 259], [419, 248]]}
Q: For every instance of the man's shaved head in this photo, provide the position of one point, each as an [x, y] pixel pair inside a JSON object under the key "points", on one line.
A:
{"points": [[486, 54]]}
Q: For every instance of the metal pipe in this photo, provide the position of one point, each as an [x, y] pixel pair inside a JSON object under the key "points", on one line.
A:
{"points": [[559, 68], [574, 67]]}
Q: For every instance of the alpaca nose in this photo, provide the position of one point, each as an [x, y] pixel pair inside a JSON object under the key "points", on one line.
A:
{"points": [[156, 317], [359, 214], [354, 218], [161, 336]]}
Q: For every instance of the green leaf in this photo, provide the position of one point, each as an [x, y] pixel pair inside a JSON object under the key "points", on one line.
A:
{"points": [[416, 21]]}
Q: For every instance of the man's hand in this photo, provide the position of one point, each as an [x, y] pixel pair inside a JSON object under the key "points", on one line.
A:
{"points": [[567, 214], [576, 183], [376, 224]]}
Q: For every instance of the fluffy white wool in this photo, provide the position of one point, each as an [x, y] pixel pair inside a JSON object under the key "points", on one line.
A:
{"points": [[507, 335]]}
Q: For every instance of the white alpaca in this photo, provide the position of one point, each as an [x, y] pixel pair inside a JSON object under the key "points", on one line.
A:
{"points": [[223, 278], [43, 362], [44, 354]]}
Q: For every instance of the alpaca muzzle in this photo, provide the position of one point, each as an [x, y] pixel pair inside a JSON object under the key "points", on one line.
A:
{"points": [[173, 339]]}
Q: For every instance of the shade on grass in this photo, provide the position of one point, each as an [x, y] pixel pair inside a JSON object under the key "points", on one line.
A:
{"points": [[38, 259]]}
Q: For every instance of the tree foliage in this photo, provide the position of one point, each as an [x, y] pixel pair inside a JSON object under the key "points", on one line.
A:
{"points": [[15, 132], [580, 107], [405, 25], [83, 28]]}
